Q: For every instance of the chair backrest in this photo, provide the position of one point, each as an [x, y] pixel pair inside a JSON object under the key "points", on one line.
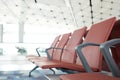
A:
{"points": [[98, 33], [59, 48], [56, 40], [69, 54], [54, 44]]}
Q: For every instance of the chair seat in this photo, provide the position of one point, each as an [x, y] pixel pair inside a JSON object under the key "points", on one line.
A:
{"points": [[58, 64], [88, 76], [38, 59]]}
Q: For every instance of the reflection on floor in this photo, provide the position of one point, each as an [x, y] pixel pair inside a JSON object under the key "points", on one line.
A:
{"points": [[13, 63], [21, 75], [10, 63]]}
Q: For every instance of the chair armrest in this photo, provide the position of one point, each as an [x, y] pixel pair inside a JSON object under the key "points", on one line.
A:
{"points": [[105, 48], [48, 55], [39, 49], [81, 56]]}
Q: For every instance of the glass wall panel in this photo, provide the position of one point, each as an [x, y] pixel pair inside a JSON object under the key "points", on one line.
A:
{"points": [[10, 33]]}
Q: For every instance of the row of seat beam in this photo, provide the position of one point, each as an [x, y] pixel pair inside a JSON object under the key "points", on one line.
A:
{"points": [[73, 51]]}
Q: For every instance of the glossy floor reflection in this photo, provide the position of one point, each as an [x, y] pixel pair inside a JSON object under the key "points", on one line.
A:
{"points": [[15, 63], [11, 63]]}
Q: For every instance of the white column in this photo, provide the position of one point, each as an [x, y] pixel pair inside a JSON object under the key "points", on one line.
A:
{"points": [[1, 33], [21, 31]]}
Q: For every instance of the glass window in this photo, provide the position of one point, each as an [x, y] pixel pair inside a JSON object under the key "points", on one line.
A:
{"points": [[41, 34], [10, 33]]}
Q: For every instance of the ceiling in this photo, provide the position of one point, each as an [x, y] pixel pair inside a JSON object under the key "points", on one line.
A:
{"points": [[75, 13]]}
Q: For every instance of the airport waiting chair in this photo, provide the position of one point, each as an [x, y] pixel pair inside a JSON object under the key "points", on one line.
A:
{"points": [[115, 33], [61, 44], [58, 48], [88, 76], [98, 33], [105, 48], [76, 39]]}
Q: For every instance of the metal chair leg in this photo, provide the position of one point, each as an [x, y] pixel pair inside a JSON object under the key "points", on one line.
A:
{"points": [[33, 70], [52, 70]]}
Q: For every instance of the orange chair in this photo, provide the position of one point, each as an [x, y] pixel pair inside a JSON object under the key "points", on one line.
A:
{"points": [[50, 51], [98, 33], [87, 76], [105, 48], [76, 39]]}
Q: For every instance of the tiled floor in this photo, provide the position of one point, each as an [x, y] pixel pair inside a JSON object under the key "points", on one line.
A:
{"points": [[12, 63], [8, 63]]}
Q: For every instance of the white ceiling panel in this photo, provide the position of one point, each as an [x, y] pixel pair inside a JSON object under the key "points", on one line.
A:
{"points": [[57, 12]]}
